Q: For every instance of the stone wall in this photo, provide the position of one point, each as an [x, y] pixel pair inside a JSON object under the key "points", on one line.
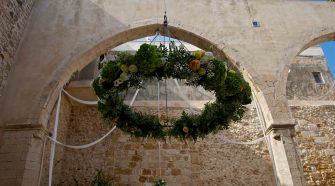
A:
{"points": [[231, 164], [132, 161], [301, 84], [208, 162], [315, 139], [315, 130], [13, 18]]}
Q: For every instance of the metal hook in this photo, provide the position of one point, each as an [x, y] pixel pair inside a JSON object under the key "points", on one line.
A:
{"points": [[165, 20]]}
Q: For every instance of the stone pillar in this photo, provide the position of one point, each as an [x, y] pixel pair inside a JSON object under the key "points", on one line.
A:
{"points": [[287, 164], [21, 149]]}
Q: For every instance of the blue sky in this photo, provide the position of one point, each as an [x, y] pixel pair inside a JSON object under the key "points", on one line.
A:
{"points": [[329, 51]]}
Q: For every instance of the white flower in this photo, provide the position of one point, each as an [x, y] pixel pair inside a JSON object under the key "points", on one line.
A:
{"points": [[209, 54], [210, 74], [117, 82], [211, 66], [124, 76]]}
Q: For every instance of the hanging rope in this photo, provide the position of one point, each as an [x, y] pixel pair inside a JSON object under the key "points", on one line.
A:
{"points": [[54, 137], [184, 97], [55, 131], [85, 145], [53, 145], [243, 143], [79, 100], [159, 159], [156, 35], [166, 106], [158, 100], [134, 97]]}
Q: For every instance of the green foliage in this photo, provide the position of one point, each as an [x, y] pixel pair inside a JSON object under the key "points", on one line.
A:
{"points": [[231, 91], [160, 183], [148, 59], [177, 64], [101, 179]]}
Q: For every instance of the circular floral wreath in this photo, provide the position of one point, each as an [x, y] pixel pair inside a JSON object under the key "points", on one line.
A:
{"points": [[200, 68]]}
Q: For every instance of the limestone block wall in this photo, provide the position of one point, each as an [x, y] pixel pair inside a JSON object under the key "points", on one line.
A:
{"points": [[132, 161], [315, 139], [231, 164], [13, 18]]}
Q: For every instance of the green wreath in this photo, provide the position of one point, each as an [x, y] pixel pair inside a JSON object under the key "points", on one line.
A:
{"points": [[127, 71]]}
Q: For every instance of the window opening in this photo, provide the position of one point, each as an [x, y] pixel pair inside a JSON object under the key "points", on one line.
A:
{"points": [[318, 77]]}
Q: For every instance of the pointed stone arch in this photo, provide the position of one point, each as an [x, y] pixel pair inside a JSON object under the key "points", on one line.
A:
{"points": [[308, 39], [63, 73]]}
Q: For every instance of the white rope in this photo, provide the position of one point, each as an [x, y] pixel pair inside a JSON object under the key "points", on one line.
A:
{"points": [[79, 100], [158, 100], [53, 145], [184, 97], [54, 138], [134, 97], [159, 159], [82, 146], [243, 143]]}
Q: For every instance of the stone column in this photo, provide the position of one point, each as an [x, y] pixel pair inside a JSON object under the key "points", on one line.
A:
{"points": [[21, 148], [287, 163]]}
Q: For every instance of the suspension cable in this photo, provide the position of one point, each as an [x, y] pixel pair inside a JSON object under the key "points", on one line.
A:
{"points": [[166, 106]]}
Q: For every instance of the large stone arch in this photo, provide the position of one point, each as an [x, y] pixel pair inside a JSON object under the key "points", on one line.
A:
{"points": [[44, 94], [308, 39], [64, 35], [63, 73]]}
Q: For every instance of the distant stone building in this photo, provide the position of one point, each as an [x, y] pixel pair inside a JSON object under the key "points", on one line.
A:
{"points": [[310, 78]]}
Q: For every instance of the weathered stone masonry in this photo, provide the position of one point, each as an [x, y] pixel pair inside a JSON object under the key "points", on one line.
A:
{"points": [[315, 139], [14, 15], [132, 161], [63, 36], [313, 108]]}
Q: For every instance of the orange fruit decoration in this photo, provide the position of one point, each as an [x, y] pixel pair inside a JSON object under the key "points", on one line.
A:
{"points": [[195, 65], [186, 129]]}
